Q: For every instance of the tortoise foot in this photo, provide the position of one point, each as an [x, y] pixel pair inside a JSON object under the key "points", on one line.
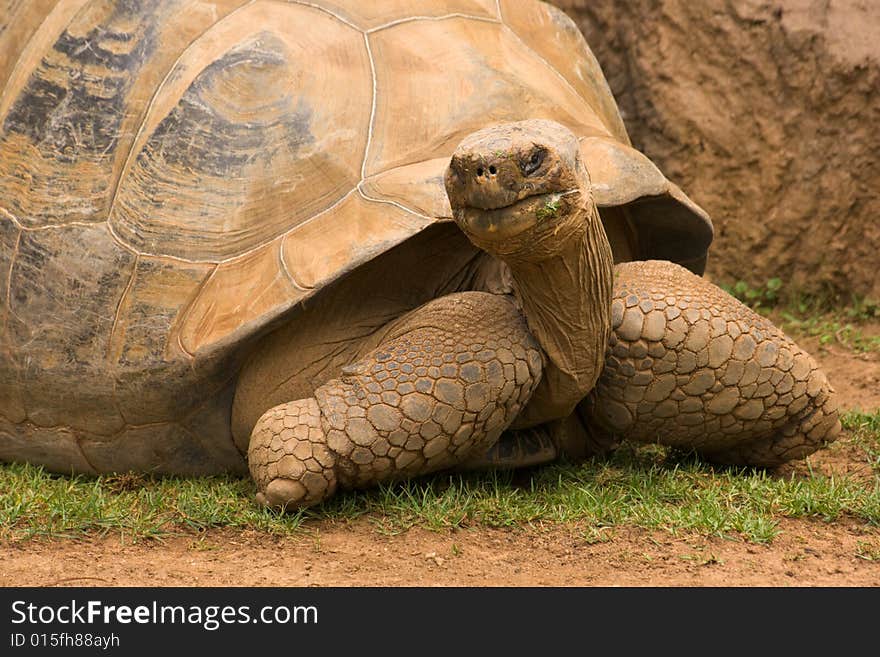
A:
{"points": [[289, 458], [571, 438], [814, 427], [519, 448]]}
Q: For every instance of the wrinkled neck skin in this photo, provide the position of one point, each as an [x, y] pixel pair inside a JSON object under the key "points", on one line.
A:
{"points": [[566, 299]]}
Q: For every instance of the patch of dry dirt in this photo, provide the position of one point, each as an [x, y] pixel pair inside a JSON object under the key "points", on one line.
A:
{"points": [[855, 376], [805, 554]]}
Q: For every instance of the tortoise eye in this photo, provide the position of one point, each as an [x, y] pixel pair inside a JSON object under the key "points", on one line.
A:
{"points": [[534, 162]]}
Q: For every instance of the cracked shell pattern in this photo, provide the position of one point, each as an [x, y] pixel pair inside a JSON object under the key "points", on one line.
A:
{"points": [[688, 365], [445, 383]]}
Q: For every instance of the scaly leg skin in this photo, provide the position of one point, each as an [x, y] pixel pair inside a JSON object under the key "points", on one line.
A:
{"points": [[690, 366], [448, 379]]}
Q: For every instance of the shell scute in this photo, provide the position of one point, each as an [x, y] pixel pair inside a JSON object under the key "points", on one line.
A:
{"points": [[71, 106], [261, 126], [145, 338], [422, 112], [375, 15], [65, 287], [568, 53]]}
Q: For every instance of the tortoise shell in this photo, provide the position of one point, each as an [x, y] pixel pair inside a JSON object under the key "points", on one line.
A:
{"points": [[176, 175]]}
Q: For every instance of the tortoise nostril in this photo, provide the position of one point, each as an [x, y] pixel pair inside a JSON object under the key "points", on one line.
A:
{"points": [[493, 170]]}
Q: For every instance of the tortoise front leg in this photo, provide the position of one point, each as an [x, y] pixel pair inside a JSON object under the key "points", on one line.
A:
{"points": [[446, 381], [691, 366]]}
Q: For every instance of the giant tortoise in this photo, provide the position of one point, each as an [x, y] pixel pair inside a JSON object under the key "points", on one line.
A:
{"points": [[339, 242]]}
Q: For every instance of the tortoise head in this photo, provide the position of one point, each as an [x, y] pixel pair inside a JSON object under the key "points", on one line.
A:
{"points": [[520, 192], [517, 190]]}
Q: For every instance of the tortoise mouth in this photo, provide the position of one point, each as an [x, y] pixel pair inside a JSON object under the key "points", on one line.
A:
{"points": [[510, 220]]}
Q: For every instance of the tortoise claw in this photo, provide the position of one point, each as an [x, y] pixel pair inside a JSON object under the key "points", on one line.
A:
{"points": [[516, 449]]}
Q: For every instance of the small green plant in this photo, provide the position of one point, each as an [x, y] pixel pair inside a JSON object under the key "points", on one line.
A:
{"points": [[868, 551], [774, 293], [766, 296], [548, 210], [862, 309], [830, 331], [600, 534], [700, 559]]}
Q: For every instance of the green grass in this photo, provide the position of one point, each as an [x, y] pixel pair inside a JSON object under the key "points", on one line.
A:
{"points": [[865, 432], [646, 487], [775, 293], [830, 330]]}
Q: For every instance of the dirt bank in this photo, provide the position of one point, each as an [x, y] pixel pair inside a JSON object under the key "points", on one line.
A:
{"points": [[766, 113]]}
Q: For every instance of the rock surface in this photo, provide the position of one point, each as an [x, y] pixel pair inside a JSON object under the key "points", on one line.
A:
{"points": [[766, 113]]}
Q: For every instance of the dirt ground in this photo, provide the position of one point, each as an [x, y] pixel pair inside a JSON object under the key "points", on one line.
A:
{"points": [[855, 376], [806, 553]]}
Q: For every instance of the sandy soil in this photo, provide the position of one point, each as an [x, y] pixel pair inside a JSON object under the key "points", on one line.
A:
{"points": [[806, 553], [355, 554]]}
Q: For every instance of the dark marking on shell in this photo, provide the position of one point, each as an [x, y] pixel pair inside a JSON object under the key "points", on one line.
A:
{"points": [[195, 135], [66, 284], [84, 117]]}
